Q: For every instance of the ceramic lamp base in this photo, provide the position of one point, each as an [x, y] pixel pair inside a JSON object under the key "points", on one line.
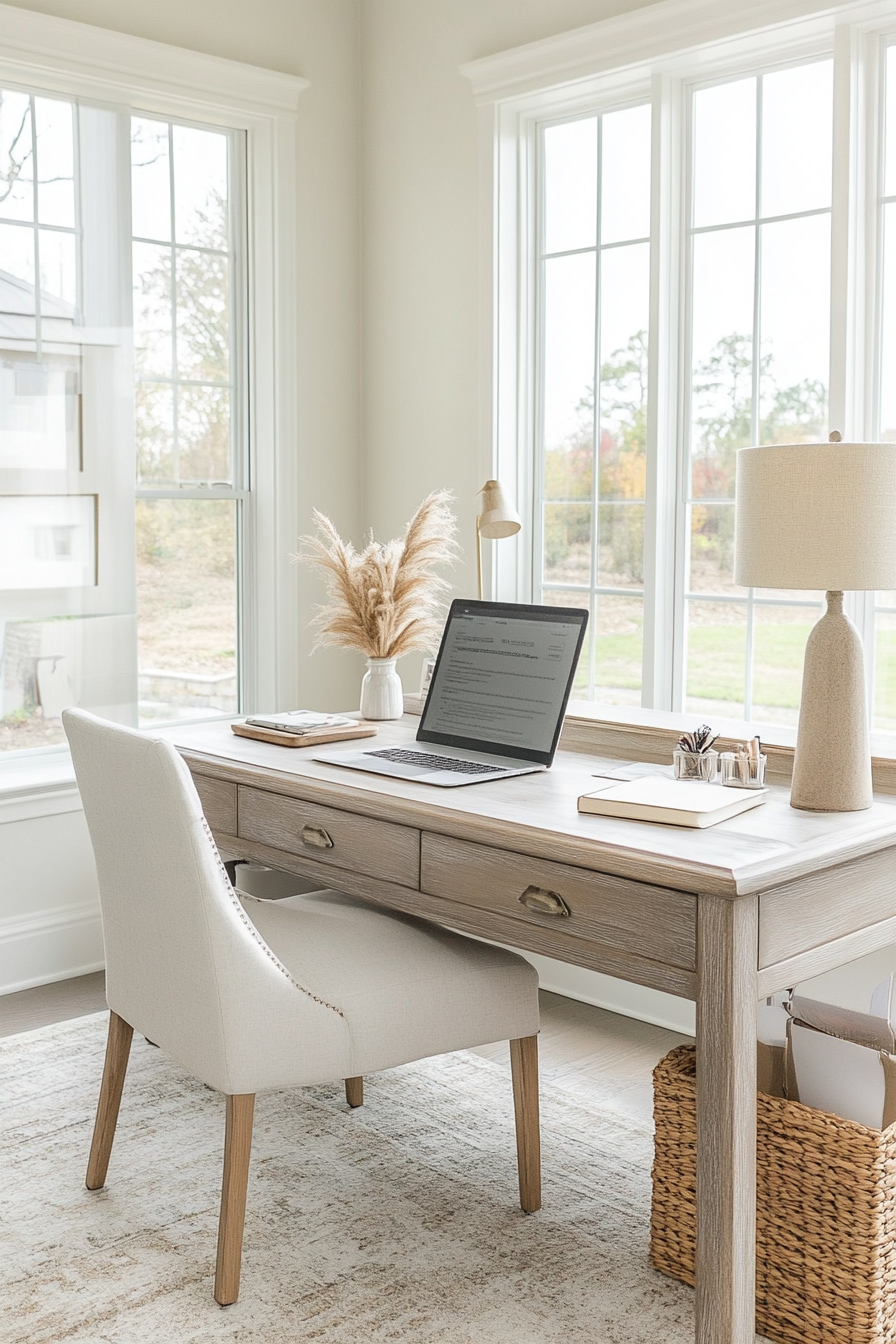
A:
{"points": [[832, 764]]}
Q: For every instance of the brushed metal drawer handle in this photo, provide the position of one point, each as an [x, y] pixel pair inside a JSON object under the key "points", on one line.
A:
{"points": [[315, 837], [544, 902]]}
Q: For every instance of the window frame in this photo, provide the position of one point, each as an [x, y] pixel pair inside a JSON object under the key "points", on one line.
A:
{"points": [[598, 69], [45, 54]]}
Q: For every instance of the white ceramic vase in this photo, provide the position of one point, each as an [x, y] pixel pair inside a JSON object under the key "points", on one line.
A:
{"points": [[382, 696]]}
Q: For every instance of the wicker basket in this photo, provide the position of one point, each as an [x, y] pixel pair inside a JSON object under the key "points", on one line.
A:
{"points": [[825, 1213]]}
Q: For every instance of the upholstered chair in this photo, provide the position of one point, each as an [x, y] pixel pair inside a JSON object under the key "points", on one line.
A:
{"points": [[250, 995]]}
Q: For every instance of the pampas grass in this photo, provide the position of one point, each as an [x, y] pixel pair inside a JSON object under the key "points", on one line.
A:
{"points": [[385, 600]]}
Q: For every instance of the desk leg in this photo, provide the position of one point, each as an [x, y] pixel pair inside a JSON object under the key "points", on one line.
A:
{"points": [[727, 945]]}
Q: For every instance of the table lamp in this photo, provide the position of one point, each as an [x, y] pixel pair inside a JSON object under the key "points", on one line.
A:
{"points": [[822, 515], [498, 518]]}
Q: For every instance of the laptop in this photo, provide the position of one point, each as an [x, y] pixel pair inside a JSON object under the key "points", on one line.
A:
{"points": [[496, 699]]}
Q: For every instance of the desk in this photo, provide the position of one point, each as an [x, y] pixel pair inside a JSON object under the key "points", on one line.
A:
{"points": [[722, 916]]}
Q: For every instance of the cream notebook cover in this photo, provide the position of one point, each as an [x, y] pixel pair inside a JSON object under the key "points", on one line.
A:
{"points": [[677, 802]]}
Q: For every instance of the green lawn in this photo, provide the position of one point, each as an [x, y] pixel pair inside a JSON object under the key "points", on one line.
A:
{"points": [[885, 675], [716, 656], [716, 664]]}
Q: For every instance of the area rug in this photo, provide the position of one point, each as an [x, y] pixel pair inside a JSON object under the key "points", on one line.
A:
{"points": [[395, 1222]]}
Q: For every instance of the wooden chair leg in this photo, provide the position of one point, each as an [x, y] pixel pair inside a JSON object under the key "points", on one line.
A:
{"points": [[237, 1147], [524, 1070], [118, 1048], [354, 1091]]}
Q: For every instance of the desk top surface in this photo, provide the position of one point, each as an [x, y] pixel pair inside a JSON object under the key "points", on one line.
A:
{"points": [[536, 814]]}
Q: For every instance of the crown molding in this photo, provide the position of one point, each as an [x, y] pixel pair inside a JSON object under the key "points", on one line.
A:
{"points": [[657, 36], [118, 66]]}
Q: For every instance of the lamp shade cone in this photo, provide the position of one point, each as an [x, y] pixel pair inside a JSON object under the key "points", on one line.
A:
{"points": [[499, 517]]}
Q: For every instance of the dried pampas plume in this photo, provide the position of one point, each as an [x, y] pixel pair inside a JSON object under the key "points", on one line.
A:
{"points": [[385, 600]]}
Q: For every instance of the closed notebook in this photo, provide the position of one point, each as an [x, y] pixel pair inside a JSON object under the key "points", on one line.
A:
{"points": [[676, 802]]}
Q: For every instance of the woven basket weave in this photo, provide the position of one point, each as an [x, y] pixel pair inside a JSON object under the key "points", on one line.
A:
{"points": [[825, 1213]]}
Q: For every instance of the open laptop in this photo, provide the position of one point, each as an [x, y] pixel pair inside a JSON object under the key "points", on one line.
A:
{"points": [[496, 700]]}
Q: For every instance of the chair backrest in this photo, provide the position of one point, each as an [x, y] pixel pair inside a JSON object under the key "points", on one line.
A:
{"points": [[184, 964]]}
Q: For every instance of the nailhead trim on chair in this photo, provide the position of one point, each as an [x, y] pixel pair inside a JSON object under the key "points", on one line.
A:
{"points": [[237, 904]]}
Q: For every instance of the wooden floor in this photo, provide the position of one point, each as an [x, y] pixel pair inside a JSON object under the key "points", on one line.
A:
{"points": [[58, 1002], [585, 1050]]}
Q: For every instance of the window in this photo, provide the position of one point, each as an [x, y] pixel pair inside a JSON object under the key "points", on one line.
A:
{"points": [[69, 612], [758, 303], [140, 520], [595, 297], [190, 385], [694, 253]]}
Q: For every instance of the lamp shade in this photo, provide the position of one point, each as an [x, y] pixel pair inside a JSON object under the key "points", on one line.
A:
{"points": [[499, 518], [816, 515]]}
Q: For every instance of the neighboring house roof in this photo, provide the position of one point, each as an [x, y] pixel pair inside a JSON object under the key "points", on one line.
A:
{"points": [[17, 312]]}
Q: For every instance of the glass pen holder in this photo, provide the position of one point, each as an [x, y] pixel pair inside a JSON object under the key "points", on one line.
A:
{"points": [[742, 771], [700, 765]]}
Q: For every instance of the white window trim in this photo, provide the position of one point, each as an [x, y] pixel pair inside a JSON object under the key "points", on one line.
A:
{"points": [[60, 56], [653, 52]]}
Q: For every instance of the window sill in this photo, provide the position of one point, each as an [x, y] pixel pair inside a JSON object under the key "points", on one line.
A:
{"points": [[40, 783], [37, 784], [650, 735]]}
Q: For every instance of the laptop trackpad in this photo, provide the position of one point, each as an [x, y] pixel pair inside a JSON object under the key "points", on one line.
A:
{"points": [[370, 761]]}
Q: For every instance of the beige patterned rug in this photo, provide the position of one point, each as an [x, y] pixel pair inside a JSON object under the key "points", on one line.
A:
{"points": [[397, 1222]]}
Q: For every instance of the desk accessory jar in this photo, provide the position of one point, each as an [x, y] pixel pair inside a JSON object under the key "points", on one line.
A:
{"points": [[699, 765], [693, 757], [744, 768]]}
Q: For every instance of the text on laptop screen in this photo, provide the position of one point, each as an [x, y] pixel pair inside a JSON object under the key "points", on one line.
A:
{"points": [[502, 680]]}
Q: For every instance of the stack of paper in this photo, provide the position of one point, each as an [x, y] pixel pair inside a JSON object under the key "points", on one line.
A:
{"points": [[845, 1062], [301, 722]]}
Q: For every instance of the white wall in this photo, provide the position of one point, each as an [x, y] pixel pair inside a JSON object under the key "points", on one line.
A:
{"points": [[49, 912], [420, 241]]}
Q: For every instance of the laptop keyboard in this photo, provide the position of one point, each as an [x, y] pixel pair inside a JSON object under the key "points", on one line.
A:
{"points": [[434, 762]]}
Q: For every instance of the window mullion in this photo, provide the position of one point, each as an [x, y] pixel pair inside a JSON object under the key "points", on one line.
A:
{"points": [[756, 389], [854, 235], [679, 452], [849, 397], [594, 602], [660, 514]]}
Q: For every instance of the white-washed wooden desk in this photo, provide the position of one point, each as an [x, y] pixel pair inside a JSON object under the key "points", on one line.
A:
{"points": [[722, 916]]}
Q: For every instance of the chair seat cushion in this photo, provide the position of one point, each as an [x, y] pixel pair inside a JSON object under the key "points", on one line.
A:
{"points": [[407, 989]]}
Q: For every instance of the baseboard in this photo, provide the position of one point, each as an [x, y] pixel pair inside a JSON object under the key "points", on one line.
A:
{"points": [[56, 944]]}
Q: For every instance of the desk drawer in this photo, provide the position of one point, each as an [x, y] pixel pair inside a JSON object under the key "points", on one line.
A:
{"points": [[218, 799], [330, 836], [648, 921]]}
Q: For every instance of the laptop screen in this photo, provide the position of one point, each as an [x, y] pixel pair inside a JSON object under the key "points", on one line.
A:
{"points": [[502, 678]]}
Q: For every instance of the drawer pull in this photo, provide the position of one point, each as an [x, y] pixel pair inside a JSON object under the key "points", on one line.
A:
{"points": [[544, 902], [315, 837]]}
